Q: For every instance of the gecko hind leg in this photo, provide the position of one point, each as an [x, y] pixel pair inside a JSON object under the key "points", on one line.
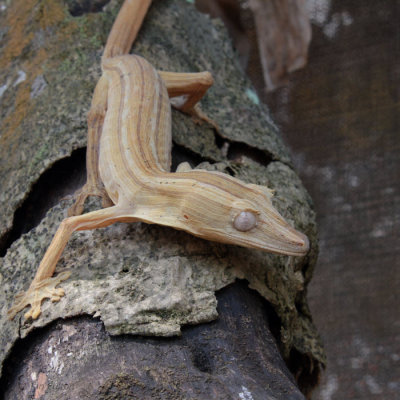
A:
{"points": [[86, 191], [94, 185]]}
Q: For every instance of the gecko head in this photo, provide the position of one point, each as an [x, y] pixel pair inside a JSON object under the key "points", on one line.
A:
{"points": [[248, 218]]}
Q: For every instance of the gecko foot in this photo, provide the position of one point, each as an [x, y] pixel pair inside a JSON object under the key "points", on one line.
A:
{"points": [[37, 292], [199, 117], [83, 194]]}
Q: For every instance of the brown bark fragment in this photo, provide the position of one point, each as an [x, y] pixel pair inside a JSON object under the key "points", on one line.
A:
{"points": [[41, 385]]}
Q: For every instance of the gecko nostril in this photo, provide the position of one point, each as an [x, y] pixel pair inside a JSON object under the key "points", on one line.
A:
{"points": [[245, 221]]}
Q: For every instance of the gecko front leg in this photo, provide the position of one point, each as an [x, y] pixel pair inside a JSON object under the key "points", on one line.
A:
{"points": [[44, 284], [94, 185], [37, 292]]}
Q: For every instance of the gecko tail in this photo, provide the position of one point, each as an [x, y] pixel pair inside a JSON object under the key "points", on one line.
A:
{"points": [[126, 27]]}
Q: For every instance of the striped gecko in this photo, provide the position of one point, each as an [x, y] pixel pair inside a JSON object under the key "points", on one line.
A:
{"points": [[129, 158]]}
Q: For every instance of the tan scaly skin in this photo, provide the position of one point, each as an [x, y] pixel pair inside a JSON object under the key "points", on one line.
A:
{"points": [[129, 157]]}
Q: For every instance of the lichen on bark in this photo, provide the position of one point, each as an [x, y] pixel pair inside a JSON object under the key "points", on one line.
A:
{"points": [[139, 279]]}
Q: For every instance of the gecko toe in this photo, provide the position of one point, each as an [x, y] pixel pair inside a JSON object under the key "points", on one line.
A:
{"points": [[35, 295]]}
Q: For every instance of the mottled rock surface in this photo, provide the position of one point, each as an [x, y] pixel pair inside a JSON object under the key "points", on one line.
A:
{"points": [[141, 279]]}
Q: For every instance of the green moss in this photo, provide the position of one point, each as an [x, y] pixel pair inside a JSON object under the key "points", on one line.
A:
{"points": [[39, 155]]}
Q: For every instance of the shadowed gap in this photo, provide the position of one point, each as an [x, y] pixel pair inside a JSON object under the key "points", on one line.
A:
{"points": [[234, 151], [80, 7], [63, 178]]}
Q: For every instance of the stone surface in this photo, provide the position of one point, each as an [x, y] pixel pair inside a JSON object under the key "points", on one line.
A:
{"points": [[137, 278]]}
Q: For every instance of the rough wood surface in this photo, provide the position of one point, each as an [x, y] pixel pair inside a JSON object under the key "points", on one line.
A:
{"points": [[140, 279]]}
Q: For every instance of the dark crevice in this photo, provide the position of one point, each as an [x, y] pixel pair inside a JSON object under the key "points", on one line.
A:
{"points": [[230, 171], [234, 151], [63, 178], [237, 150], [80, 7], [201, 359], [306, 371]]}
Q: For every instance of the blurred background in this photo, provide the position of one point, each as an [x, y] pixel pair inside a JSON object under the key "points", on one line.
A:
{"points": [[329, 71]]}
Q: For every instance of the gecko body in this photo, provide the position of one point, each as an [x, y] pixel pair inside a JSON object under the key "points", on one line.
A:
{"points": [[134, 163]]}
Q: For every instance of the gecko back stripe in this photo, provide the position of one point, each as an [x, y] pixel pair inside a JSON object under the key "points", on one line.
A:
{"points": [[143, 175]]}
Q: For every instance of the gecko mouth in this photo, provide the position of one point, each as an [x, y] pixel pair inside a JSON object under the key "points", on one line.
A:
{"points": [[300, 247], [293, 244], [279, 240]]}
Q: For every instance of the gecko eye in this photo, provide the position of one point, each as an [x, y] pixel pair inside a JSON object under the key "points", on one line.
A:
{"points": [[245, 221]]}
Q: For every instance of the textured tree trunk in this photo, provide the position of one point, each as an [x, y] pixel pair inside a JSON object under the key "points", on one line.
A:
{"points": [[138, 280]]}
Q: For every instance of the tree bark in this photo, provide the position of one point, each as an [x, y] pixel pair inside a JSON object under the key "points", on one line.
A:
{"points": [[141, 279]]}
